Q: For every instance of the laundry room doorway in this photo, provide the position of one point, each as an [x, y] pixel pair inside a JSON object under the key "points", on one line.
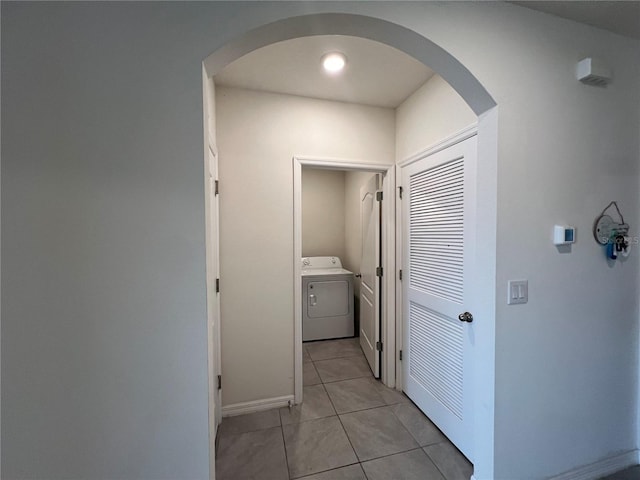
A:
{"points": [[368, 264]]}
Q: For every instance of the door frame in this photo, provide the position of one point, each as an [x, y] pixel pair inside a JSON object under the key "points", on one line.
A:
{"points": [[212, 268], [483, 300], [388, 228]]}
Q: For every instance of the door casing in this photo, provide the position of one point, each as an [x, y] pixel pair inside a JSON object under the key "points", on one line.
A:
{"points": [[212, 249]]}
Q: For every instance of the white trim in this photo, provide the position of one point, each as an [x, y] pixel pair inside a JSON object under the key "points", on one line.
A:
{"points": [[446, 142], [601, 468], [297, 286], [388, 288], [388, 330], [398, 291], [485, 296], [334, 163], [256, 406], [213, 313]]}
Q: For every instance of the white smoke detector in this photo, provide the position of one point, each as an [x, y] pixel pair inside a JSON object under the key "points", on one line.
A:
{"points": [[592, 71]]}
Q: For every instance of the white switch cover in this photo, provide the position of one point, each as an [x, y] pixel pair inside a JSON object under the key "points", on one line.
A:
{"points": [[518, 292]]}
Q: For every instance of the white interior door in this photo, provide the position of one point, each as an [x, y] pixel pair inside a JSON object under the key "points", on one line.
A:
{"points": [[370, 210], [213, 295], [438, 244]]}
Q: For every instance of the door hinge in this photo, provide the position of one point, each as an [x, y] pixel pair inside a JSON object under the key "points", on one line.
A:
{"points": [[400, 356], [379, 196], [217, 285], [378, 271], [379, 346], [219, 382], [216, 187], [400, 274], [400, 191]]}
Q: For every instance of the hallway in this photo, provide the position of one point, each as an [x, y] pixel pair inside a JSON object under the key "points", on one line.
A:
{"points": [[349, 427]]}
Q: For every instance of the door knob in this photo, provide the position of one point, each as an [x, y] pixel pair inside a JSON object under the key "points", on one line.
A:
{"points": [[465, 317]]}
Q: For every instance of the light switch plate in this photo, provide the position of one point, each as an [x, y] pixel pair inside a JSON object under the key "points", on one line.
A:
{"points": [[518, 292]]}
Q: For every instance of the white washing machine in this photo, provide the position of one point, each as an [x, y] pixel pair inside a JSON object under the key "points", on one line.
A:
{"points": [[327, 299]]}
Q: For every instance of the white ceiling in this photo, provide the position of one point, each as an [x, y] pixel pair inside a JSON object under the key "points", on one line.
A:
{"points": [[376, 74], [621, 17]]}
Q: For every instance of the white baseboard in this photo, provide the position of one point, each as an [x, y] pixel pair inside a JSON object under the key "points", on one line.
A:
{"points": [[601, 468], [256, 406]]}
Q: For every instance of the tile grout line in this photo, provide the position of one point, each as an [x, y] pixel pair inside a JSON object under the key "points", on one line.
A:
{"points": [[325, 471], [434, 462], [420, 447], [360, 462], [284, 446], [397, 453], [368, 375], [344, 429], [348, 438], [386, 405], [336, 358], [435, 465], [405, 427]]}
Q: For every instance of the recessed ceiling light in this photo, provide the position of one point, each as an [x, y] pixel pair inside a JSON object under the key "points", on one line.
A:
{"points": [[334, 62]]}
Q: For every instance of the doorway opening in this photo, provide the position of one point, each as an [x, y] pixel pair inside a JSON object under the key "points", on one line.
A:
{"points": [[483, 105], [383, 319]]}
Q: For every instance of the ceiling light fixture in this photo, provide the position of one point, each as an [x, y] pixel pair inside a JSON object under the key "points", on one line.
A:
{"points": [[334, 62]]}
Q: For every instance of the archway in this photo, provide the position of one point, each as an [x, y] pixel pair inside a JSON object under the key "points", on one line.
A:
{"points": [[481, 102], [410, 42]]}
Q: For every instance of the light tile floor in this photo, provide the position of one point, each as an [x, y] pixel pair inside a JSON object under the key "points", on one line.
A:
{"points": [[349, 427]]}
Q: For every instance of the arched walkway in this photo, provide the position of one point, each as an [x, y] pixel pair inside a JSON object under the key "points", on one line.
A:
{"points": [[482, 103], [381, 31]]}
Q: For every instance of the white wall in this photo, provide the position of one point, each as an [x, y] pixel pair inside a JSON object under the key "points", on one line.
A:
{"points": [[103, 295], [567, 171], [104, 348], [577, 336], [323, 211], [258, 135], [432, 113]]}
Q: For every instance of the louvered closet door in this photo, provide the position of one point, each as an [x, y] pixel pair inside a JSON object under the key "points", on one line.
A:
{"points": [[438, 221]]}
